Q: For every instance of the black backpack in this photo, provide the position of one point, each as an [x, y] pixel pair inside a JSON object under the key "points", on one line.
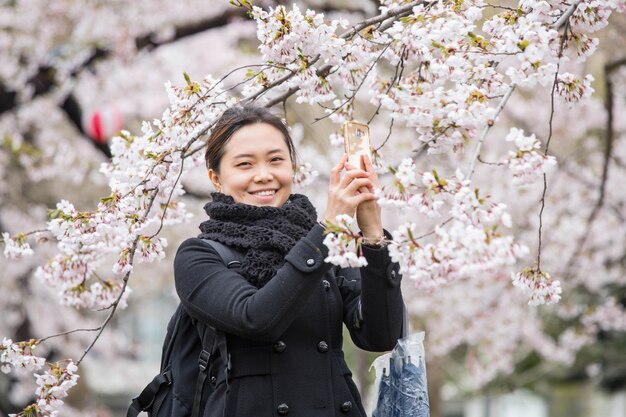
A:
{"points": [[188, 349]]}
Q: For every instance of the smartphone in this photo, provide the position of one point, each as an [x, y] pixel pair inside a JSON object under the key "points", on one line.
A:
{"points": [[357, 142]]}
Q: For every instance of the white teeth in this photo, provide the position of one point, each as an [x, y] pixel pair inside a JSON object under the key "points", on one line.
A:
{"points": [[269, 192]]}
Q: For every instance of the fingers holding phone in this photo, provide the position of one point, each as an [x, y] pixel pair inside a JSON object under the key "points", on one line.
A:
{"points": [[346, 192], [358, 148]]}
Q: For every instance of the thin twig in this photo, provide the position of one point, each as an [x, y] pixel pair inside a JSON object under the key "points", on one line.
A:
{"points": [[116, 303], [397, 75], [479, 158], [356, 90], [488, 127], [448, 220], [388, 135], [547, 147], [95, 329]]}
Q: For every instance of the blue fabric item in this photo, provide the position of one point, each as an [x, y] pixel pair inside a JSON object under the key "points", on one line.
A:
{"points": [[412, 395], [383, 405], [404, 392]]}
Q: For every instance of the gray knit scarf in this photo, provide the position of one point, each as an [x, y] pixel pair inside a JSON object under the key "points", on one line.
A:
{"points": [[263, 234]]}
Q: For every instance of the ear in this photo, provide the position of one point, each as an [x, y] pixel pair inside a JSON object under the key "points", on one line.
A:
{"points": [[215, 179]]}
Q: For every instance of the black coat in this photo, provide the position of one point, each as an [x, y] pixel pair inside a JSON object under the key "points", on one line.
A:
{"points": [[285, 339]]}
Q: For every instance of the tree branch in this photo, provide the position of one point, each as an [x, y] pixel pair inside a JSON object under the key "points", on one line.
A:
{"points": [[487, 128], [609, 105], [566, 15], [390, 15], [45, 78], [116, 303], [550, 128], [557, 26], [150, 40]]}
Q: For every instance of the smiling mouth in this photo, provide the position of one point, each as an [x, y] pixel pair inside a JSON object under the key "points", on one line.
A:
{"points": [[265, 193]]}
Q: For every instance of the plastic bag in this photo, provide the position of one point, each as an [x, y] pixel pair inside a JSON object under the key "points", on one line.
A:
{"points": [[401, 379]]}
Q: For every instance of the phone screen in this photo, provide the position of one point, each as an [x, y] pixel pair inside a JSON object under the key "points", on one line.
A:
{"points": [[357, 142]]}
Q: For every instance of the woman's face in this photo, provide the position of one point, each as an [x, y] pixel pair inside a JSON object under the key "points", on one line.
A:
{"points": [[256, 168]]}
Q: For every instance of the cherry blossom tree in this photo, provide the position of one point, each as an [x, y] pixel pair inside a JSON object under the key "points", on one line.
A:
{"points": [[500, 165]]}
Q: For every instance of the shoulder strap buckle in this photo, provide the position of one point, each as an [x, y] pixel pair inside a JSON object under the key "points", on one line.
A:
{"points": [[204, 360]]}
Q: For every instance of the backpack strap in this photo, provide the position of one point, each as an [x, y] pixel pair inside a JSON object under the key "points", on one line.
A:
{"points": [[231, 257], [212, 336]]}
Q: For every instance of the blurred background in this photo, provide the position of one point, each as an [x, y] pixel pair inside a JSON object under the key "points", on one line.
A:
{"points": [[74, 73]]}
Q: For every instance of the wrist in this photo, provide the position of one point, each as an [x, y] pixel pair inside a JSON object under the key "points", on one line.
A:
{"points": [[369, 234], [375, 240]]}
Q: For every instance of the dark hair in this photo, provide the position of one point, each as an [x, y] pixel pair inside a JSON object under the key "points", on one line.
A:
{"points": [[234, 119]]}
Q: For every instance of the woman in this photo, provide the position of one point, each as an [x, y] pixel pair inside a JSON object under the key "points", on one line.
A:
{"points": [[282, 310]]}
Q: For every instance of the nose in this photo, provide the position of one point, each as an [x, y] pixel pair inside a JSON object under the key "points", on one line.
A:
{"points": [[263, 174]]}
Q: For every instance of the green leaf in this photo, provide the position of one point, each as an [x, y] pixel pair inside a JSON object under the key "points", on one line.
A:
{"points": [[55, 214], [523, 44]]}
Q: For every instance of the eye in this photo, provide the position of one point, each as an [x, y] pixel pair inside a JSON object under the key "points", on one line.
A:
{"points": [[277, 158], [241, 164]]}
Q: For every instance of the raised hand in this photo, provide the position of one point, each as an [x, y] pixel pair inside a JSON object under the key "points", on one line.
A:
{"points": [[347, 192], [368, 212]]}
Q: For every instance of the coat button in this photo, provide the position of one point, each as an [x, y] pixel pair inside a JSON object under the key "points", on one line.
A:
{"points": [[213, 380], [282, 409], [310, 262], [326, 285], [280, 346], [346, 406], [322, 346]]}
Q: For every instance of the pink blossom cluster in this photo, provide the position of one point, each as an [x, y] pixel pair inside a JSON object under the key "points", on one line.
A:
{"points": [[291, 42], [52, 387], [462, 68], [429, 193], [304, 175], [339, 240], [467, 243], [543, 289], [83, 240], [144, 177], [593, 15], [571, 88], [527, 163], [19, 356], [16, 247], [458, 250], [446, 99]]}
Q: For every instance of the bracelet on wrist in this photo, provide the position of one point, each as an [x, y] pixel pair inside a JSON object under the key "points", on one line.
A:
{"points": [[377, 242]]}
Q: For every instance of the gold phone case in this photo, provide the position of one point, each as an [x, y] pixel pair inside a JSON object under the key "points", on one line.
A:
{"points": [[357, 142]]}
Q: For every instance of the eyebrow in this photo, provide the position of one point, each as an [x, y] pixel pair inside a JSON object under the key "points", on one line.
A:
{"points": [[247, 155]]}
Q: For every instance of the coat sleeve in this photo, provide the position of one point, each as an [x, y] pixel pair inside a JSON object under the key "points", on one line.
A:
{"points": [[377, 324], [224, 299]]}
